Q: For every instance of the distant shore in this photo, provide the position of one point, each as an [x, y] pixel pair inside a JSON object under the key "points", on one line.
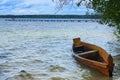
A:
{"points": [[53, 16], [51, 20]]}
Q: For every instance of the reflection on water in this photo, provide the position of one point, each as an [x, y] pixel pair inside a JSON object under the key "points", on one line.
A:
{"points": [[42, 50]]}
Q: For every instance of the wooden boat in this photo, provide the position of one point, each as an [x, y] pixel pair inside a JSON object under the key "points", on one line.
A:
{"points": [[93, 56]]}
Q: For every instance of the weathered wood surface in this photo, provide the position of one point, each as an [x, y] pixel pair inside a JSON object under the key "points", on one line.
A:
{"points": [[93, 56]]}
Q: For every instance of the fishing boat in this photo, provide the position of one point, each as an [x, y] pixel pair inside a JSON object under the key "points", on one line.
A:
{"points": [[93, 56]]}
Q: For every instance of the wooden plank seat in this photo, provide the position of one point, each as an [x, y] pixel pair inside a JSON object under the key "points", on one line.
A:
{"points": [[79, 46], [87, 52]]}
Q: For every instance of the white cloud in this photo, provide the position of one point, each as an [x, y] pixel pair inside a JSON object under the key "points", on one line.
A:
{"points": [[37, 1], [36, 7], [3, 1]]}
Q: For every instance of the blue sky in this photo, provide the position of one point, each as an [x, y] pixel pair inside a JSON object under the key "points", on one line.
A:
{"points": [[22, 7]]}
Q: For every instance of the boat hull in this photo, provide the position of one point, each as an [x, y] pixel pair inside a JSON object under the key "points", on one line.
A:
{"points": [[105, 65], [101, 67]]}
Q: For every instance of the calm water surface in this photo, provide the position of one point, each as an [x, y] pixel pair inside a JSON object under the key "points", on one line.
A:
{"points": [[43, 50]]}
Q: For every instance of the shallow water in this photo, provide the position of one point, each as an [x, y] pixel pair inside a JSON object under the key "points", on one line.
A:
{"points": [[43, 50]]}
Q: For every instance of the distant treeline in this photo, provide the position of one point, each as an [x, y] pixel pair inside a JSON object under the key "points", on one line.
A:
{"points": [[53, 16]]}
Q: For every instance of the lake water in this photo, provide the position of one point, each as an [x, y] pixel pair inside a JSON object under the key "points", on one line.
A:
{"points": [[35, 50]]}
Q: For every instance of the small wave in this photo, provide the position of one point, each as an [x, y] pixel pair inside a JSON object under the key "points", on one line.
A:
{"points": [[59, 78], [56, 68], [23, 75], [5, 55]]}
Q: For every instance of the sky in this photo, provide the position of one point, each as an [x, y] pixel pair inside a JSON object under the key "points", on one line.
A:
{"points": [[36, 7]]}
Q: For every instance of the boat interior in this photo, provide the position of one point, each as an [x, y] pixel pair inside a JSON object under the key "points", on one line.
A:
{"points": [[85, 52], [92, 55], [88, 54]]}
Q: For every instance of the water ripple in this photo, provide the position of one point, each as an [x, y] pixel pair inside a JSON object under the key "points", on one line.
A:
{"points": [[44, 50], [56, 68]]}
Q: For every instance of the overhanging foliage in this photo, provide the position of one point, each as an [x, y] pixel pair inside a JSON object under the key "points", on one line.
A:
{"points": [[109, 9]]}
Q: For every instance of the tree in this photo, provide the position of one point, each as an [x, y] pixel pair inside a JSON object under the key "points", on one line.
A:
{"points": [[109, 9]]}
